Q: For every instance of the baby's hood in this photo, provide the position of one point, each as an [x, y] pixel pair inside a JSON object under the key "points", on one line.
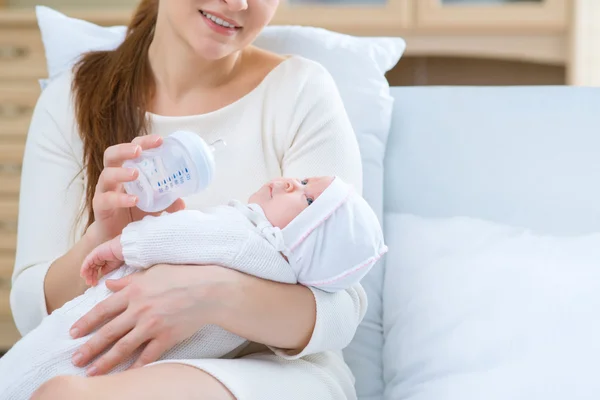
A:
{"points": [[334, 241]]}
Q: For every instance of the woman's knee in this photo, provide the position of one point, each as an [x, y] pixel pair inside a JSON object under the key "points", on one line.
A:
{"points": [[62, 388]]}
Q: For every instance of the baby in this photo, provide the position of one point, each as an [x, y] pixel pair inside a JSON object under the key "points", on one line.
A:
{"points": [[316, 232]]}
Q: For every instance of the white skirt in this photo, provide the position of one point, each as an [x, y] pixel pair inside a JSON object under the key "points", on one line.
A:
{"points": [[266, 376]]}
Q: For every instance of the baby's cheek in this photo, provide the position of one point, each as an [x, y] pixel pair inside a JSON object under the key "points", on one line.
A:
{"points": [[280, 214], [293, 212]]}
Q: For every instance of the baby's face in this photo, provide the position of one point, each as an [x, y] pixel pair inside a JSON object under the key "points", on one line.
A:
{"points": [[283, 199]]}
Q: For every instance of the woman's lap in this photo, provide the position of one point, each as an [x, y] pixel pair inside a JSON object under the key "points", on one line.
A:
{"points": [[154, 382], [261, 376], [265, 376]]}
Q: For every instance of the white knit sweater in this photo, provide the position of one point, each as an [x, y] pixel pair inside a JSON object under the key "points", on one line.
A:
{"points": [[293, 124]]}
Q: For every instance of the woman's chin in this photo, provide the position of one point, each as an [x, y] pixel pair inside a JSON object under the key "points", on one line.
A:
{"points": [[212, 51]]}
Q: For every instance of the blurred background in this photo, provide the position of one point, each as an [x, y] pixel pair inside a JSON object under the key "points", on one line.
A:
{"points": [[449, 42]]}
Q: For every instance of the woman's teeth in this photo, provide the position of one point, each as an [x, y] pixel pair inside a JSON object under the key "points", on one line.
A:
{"points": [[216, 20]]}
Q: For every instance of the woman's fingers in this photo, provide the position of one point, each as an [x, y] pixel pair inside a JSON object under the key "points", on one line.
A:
{"points": [[102, 312], [177, 205], [114, 156], [151, 353], [113, 200], [111, 177], [123, 348], [116, 285], [113, 331], [107, 198], [148, 141]]}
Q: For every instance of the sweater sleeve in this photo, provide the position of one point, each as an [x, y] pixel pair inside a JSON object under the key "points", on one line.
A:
{"points": [[50, 200], [183, 237], [193, 237], [322, 142]]}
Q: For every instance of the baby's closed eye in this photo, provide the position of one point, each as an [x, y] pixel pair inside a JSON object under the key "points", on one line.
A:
{"points": [[309, 199]]}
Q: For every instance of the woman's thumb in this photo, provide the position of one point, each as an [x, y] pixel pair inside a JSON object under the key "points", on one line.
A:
{"points": [[178, 205], [114, 285]]}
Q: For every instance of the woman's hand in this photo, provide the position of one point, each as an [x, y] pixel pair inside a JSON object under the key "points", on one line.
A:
{"points": [[113, 207], [156, 308]]}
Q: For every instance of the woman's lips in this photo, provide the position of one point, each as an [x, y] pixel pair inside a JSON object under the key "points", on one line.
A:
{"points": [[229, 30]]}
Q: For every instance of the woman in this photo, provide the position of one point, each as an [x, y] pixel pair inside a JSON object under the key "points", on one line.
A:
{"points": [[184, 64]]}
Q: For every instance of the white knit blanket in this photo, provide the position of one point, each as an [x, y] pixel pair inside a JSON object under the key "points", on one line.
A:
{"points": [[222, 236]]}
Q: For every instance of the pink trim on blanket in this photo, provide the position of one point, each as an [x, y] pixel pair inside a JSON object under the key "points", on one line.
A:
{"points": [[368, 262], [303, 237]]}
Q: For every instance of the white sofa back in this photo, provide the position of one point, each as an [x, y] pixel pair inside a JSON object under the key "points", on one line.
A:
{"points": [[526, 156], [522, 156]]}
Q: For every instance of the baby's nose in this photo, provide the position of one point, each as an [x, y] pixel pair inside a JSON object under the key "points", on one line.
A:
{"points": [[289, 185]]}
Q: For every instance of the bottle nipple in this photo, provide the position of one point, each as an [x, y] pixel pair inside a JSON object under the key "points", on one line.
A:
{"points": [[219, 143]]}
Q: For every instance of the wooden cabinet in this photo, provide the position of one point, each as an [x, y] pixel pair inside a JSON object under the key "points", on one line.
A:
{"points": [[493, 15], [21, 52], [17, 101], [21, 65], [530, 31], [584, 43], [352, 16], [8, 332], [551, 34]]}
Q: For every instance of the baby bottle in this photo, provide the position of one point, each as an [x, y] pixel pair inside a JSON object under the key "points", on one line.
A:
{"points": [[183, 165]]}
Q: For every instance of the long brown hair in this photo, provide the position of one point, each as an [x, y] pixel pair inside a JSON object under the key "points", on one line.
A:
{"points": [[112, 90]]}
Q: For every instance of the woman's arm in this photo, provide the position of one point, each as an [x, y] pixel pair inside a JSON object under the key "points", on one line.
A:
{"points": [[51, 245], [291, 319], [294, 320], [262, 311], [46, 271], [63, 281]]}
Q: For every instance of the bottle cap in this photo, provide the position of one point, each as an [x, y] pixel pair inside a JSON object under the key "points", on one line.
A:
{"points": [[201, 155]]}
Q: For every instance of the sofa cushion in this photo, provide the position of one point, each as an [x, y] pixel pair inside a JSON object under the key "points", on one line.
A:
{"points": [[481, 310]]}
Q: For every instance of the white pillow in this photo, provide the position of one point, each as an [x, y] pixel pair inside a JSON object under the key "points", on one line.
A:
{"points": [[358, 66], [477, 310]]}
